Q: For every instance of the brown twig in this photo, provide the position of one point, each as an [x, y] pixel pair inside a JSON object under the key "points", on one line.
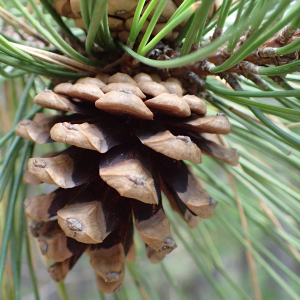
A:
{"points": [[217, 33], [250, 259], [14, 21], [140, 288], [57, 59], [231, 80], [283, 36], [293, 125], [263, 56], [275, 221], [246, 116], [257, 80]]}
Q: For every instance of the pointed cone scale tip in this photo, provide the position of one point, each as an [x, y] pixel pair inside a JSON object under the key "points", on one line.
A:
{"points": [[103, 77], [37, 207], [155, 77], [63, 88], [156, 233], [121, 77], [93, 213], [131, 255], [48, 99], [75, 6], [36, 167], [174, 79], [177, 147], [200, 202], [154, 257], [34, 131], [81, 135], [43, 207], [196, 104], [21, 130], [142, 77], [35, 227], [152, 88], [45, 118], [86, 92], [185, 187], [109, 287], [83, 222], [169, 104], [63, 8], [30, 179], [203, 205], [92, 81], [72, 167], [54, 245], [191, 219], [215, 150], [99, 136], [59, 271], [218, 124], [109, 263], [52, 170], [125, 88], [131, 180], [119, 103], [178, 206], [173, 88]]}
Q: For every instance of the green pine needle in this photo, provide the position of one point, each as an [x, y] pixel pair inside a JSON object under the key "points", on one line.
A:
{"points": [[258, 215]]}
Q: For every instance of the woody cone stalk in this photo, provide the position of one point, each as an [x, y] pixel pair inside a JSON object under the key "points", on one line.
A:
{"points": [[128, 138]]}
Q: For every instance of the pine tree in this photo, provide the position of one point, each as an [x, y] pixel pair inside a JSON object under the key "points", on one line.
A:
{"points": [[117, 100]]}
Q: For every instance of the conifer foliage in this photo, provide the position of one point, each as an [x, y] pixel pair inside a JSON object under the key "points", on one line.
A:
{"points": [[125, 123]]}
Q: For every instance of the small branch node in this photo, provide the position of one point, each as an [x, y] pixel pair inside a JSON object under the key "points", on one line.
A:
{"points": [[257, 80], [226, 53], [249, 33], [208, 66], [195, 78], [267, 52], [285, 35], [249, 67], [231, 80], [217, 33]]}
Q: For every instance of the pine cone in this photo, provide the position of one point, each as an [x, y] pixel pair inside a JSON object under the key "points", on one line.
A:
{"points": [[120, 16], [128, 138]]}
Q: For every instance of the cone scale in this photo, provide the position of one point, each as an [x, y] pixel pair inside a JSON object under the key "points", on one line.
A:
{"points": [[121, 13]]}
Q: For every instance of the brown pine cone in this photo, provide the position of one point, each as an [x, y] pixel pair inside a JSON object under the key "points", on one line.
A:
{"points": [[120, 16], [128, 138]]}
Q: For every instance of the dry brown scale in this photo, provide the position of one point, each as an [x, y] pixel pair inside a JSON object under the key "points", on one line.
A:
{"points": [[120, 16], [128, 138]]}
